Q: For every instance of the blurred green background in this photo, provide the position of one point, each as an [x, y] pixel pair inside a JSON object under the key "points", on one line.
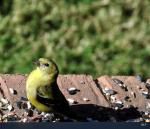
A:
{"points": [[95, 37]]}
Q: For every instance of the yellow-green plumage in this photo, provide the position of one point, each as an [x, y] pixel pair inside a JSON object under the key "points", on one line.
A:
{"points": [[42, 90]]}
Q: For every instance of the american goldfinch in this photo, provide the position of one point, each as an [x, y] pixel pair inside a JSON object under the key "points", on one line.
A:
{"points": [[42, 90]]}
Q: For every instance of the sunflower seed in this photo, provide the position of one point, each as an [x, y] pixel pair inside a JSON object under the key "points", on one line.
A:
{"points": [[12, 91], [148, 106], [121, 84], [4, 101], [113, 98], [145, 93], [86, 99], [116, 108], [24, 120], [133, 94], [29, 112], [29, 106], [118, 104], [10, 107], [82, 82], [71, 101], [126, 98], [110, 91], [72, 90]]}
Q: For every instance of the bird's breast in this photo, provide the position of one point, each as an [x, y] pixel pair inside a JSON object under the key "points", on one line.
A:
{"points": [[38, 79]]}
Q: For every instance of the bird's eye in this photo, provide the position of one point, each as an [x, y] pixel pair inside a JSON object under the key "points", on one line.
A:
{"points": [[46, 64]]}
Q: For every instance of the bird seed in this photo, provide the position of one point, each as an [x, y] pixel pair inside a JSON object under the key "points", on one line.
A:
{"points": [[12, 91]]}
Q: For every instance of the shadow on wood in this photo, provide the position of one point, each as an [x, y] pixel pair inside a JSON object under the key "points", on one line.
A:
{"points": [[95, 112]]}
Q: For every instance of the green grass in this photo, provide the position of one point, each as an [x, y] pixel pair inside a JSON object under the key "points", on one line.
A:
{"points": [[83, 36]]}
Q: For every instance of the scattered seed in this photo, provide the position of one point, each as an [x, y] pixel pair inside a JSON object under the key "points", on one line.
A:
{"points": [[148, 106], [86, 99], [139, 87], [29, 106], [56, 120], [48, 117], [42, 113], [118, 104], [142, 90], [10, 117], [118, 81], [141, 119], [71, 101], [116, 108], [4, 101], [24, 120], [113, 98], [107, 94], [29, 112], [23, 99], [145, 93], [72, 90], [12, 91], [121, 84], [124, 87], [10, 107], [82, 82], [19, 104], [126, 98], [147, 120], [4, 107], [24, 105], [133, 94], [110, 91], [146, 113]]}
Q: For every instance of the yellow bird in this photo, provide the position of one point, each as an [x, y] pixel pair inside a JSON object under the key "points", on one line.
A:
{"points": [[42, 89]]}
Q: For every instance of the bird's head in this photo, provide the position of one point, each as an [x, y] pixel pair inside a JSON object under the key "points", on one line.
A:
{"points": [[47, 66]]}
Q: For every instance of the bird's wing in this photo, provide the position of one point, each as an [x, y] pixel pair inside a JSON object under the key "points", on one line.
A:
{"points": [[44, 95], [44, 92]]}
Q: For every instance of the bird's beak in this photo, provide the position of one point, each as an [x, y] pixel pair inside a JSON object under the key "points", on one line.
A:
{"points": [[37, 63]]}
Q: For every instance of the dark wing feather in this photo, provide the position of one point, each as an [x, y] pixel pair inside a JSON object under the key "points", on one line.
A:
{"points": [[45, 96], [52, 96]]}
